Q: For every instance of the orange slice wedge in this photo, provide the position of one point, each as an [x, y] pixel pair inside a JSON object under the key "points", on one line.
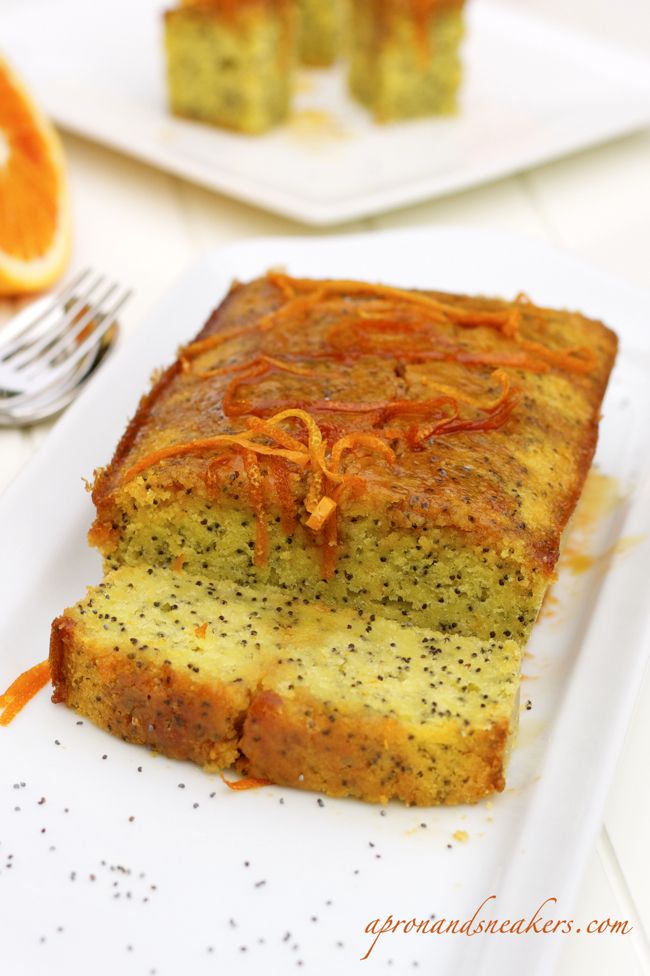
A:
{"points": [[34, 207]]}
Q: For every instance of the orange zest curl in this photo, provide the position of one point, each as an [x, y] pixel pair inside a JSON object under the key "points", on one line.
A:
{"points": [[452, 392], [370, 441], [319, 501], [269, 362], [575, 359], [322, 511], [407, 328], [205, 446], [256, 484], [494, 417], [346, 288], [248, 783], [279, 472], [253, 369], [22, 690], [199, 346]]}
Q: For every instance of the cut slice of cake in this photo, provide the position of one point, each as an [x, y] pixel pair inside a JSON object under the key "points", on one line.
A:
{"points": [[289, 690], [320, 31], [404, 56], [230, 62], [411, 455]]}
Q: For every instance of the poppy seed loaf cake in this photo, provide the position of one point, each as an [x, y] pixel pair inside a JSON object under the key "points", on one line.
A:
{"points": [[392, 463], [289, 690], [461, 431]]}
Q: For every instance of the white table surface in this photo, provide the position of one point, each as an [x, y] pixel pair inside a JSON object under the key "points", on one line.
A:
{"points": [[146, 228]]}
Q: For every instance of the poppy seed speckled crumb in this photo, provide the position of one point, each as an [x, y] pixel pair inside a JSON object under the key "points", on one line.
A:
{"points": [[418, 725]]}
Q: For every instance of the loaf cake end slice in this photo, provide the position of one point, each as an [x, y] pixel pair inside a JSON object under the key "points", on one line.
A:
{"points": [[287, 689]]}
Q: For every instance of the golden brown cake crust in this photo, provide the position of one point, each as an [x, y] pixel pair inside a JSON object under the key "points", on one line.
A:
{"points": [[151, 705], [515, 484], [294, 743]]}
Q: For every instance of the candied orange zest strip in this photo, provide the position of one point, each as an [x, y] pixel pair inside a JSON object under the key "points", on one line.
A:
{"points": [[256, 497], [506, 321], [284, 439], [494, 418], [201, 630], [414, 407], [325, 507], [354, 328], [248, 783], [270, 361], [350, 339], [314, 435], [203, 445], [199, 346], [252, 369], [280, 478], [282, 282], [498, 376], [370, 441], [229, 405], [294, 308], [345, 287], [301, 294], [575, 359], [329, 406], [22, 690]]}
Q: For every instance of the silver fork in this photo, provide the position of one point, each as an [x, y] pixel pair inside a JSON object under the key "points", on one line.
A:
{"points": [[50, 349]]}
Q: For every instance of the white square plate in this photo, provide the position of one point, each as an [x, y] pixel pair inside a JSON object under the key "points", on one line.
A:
{"points": [[533, 91], [117, 867]]}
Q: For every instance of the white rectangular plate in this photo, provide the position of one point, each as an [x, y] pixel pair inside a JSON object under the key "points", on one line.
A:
{"points": [[105, 843], [533, 91]]}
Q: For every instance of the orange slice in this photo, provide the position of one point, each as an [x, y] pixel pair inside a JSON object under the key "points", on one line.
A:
{"points": [[34, 207]]}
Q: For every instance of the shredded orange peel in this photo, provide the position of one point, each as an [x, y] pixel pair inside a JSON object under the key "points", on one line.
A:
{"points": [[363, 310], [327, 476], [299, 295], [507, 321], [22, 690], [322, 511], [498, 376], [264, 363], [247, 783]]}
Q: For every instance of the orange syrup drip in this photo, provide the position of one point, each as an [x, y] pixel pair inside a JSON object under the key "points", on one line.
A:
{"points": [[248, 783]]}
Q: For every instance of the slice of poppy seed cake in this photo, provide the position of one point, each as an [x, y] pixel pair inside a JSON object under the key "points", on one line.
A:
{"points": [[289, 690]]}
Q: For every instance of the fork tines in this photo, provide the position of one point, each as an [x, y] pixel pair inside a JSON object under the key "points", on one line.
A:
{"points": [[50, 348]]}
